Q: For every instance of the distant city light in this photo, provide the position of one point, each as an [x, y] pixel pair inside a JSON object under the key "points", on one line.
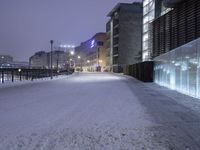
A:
{"points": [[67, 46], [88, 61], [79, 57]]}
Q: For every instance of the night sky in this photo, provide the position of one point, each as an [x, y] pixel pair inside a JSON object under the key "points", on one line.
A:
{"points": [[26, 26]]}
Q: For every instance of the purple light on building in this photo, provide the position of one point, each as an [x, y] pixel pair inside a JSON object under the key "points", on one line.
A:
{"points": [[92, 43]]}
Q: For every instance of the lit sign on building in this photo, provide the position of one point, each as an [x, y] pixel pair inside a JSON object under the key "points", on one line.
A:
{"points": [[92, 44]]}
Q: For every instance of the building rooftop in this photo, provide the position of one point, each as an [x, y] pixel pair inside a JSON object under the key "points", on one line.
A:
{"points": [[172, 3], [110, 14]]}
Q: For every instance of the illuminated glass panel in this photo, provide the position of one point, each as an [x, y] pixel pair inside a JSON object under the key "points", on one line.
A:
{"points": [[146, 19], [151, 15], [145, 10], [148, 16], [145, 27], [145, 37], [179, 69], [145, 2]]}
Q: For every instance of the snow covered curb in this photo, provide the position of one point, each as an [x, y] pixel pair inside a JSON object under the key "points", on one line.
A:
{"points": [[188, 101]]}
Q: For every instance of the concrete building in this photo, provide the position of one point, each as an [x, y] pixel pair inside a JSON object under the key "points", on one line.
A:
{"points": [[18, 64], [124, 35], [42, 60], [39, 60], [5, 59], [176, 47], [59, 59], [92, 53]]}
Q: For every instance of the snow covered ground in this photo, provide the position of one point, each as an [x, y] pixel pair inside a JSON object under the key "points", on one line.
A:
{"points": [[94, 111]]}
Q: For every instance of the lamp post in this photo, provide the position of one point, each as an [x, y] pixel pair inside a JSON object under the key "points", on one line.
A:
{"points": [[88, 65], [98, 68], [51, 42], [79, 57]]}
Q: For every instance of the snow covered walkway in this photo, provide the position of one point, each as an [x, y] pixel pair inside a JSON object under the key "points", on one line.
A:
{"points": [[94, 111]]}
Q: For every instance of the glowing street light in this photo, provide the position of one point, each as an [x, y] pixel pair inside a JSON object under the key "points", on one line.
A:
{"points": [[79, 57], [72, 52], [88, 61], [19, 70]]}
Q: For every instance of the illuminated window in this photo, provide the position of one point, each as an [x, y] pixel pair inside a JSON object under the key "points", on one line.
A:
{"points": [[145, 20], [100, 43], [145, 10], [145, 2], [145, 37], [145, 27]]}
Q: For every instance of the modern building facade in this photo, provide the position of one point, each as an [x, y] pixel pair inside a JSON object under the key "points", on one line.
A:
{"points": [[176, 28], [176, 47], [148, 16], [92, 53], [179, 69], [152, 9], [124, 35]]}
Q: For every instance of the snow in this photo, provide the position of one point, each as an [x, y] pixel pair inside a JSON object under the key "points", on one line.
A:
{"points": [[88, 111], [187, 101]]}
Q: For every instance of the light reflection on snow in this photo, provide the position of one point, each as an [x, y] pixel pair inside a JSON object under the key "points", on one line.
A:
{"points": [[183, 72], [97, 78]]}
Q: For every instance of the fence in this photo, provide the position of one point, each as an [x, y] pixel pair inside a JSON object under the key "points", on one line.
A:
{"points": [[142, 71], [17, 74]]}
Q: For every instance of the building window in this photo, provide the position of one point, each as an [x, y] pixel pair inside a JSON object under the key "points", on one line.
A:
{"points": [[145, 2], [145, 27], [100, 43], [145, 10], [145, 37], [146, 19]]}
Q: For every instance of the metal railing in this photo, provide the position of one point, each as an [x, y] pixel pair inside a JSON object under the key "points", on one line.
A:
{"points": [[18, 74]]}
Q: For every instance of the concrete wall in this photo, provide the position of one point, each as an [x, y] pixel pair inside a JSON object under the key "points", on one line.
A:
{"points": [[130, 37]]}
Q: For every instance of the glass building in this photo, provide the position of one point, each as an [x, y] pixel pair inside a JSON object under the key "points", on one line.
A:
{"points": [[152, 9], [148, 17], [179, 69]]}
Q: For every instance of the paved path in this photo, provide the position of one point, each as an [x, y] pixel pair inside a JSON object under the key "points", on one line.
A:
{"points": [[94, 111]]}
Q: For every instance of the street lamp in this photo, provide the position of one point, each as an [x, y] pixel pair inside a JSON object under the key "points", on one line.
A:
{"points": [[51, 42], [88, 65], [79, 57], [72, 52]]}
